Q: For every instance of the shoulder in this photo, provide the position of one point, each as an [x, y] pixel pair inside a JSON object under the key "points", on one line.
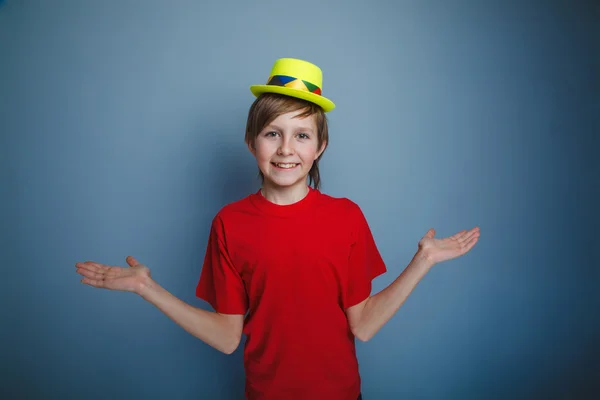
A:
{"points": [[340, 205], [234, 210]]}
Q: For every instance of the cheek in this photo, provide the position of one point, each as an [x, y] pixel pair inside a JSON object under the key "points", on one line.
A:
{"points": [[309, 153], [262, 153]]}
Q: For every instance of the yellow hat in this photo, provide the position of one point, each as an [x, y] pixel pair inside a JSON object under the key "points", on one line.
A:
{"points": [[295, 78]]}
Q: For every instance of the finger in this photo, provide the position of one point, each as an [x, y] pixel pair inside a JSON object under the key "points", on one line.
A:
{"points": [[91, 266], [474, 230], [104, 273], [132, 261], [458, 235], [90, 274], [469, 235], [93, 282], [471, 243], [475, 234], [87, 267], [430, 233]]}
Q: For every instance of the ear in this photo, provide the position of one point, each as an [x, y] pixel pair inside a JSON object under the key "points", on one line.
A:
{"points": [[322, 149], [252, 148]]}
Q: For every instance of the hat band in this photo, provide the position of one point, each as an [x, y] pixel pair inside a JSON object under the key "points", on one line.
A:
{"points": [[294, 83]]}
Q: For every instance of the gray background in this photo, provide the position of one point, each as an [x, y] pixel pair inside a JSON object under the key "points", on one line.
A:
{"points": [[121, 132]]}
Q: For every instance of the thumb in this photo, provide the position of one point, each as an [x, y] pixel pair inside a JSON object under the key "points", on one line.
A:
{"points": [[430, 233], [132, 261]]}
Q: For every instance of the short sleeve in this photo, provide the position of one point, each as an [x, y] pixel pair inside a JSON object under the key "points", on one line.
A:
{"points": [[220, 283], [365, 263]]}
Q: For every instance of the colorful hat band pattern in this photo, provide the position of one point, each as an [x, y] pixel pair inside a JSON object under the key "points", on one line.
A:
{"points": [[294, 83]]}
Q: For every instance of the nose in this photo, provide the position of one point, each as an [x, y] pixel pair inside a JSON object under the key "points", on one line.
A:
{"points": [[286, 148]]}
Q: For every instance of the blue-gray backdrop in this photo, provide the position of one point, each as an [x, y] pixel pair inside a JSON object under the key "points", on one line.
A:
{"points": [[121, 132]]}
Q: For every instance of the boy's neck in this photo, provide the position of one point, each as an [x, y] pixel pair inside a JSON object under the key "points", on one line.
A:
{"points": [[284, 195]]}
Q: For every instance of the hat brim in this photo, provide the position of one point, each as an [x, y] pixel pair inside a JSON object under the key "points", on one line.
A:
{"points": [[326, 104]]}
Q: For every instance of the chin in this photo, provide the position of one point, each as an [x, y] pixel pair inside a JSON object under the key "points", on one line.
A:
{"points": [[285, 183]]}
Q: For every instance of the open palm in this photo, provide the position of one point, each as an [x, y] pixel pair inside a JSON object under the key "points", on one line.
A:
{"points": [[438, 250], [128, 279]]}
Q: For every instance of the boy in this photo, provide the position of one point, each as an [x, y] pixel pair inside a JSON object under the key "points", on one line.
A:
{"points": [[289, 266]]}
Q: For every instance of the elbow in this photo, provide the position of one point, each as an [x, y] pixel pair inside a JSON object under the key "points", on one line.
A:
{"points": [[364, 338], [362, 335], [231, 346]]}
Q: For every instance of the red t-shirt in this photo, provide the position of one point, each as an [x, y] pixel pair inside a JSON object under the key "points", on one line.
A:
{"points": [[295, 269]]}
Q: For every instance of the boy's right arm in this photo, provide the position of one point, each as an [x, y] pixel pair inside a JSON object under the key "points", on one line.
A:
{"points": [[221, 331]]}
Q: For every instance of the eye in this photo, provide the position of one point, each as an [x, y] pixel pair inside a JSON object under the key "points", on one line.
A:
{"points": [[271, 134], [303, 136]]}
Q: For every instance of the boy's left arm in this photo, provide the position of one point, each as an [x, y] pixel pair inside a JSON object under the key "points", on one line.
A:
{"points": [[367, 317]]}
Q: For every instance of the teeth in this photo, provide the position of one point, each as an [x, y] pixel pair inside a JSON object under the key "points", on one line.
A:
{"points": [[285, 165]]}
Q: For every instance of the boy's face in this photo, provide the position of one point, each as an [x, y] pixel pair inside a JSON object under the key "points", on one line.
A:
{"points": [[286, 149]]}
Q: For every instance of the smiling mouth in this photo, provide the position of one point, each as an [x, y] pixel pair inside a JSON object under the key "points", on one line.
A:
{"points": [[285, 165]]}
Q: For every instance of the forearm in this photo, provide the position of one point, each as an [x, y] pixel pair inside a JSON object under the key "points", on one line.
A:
{"points": [[212, 328], [379, 308]]}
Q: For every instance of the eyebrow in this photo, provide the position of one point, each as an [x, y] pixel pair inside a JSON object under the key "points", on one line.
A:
{"points": [[300, 128]]}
